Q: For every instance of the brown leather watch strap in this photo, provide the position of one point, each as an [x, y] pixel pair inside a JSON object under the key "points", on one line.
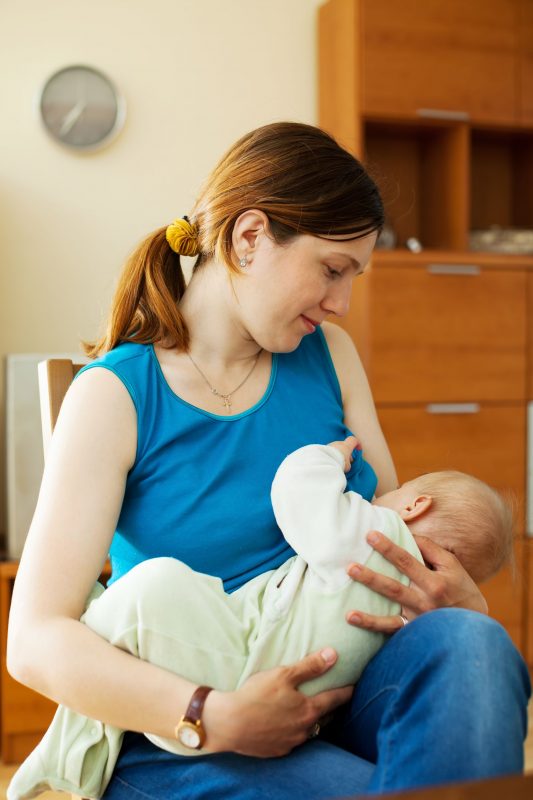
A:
{"points": [[196, 704]]}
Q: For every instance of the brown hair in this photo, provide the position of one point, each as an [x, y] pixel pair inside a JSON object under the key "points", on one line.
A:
{"points": [[471, 519], [296, 174]]}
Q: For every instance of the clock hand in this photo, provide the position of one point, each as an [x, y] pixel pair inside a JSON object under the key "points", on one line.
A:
{"points": [[72, 117]]}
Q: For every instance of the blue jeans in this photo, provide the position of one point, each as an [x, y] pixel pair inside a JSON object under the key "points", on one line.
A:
{"points": [[444, 700]]}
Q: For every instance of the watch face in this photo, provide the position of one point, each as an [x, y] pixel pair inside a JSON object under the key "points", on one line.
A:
{"points": [[81, 108], [189, 735]]}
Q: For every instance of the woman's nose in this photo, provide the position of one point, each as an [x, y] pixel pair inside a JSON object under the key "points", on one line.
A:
{"points": [[337, 300]]}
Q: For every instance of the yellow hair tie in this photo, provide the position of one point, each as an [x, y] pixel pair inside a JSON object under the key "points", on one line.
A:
{"points": [[182, 236]]}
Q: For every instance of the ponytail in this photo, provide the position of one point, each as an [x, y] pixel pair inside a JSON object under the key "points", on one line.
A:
{"points": [[145, 305]]}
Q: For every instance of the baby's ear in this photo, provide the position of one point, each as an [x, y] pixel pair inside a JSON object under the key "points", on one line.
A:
{"points": [[419, 506]]}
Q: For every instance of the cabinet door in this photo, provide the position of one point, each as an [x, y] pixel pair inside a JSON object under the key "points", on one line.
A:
{"points": [[490, 444], [529, 387], [428, 337], [529, 606], [526, 62], [25, 715], [455, 57], [488, 441], [504, 595]]}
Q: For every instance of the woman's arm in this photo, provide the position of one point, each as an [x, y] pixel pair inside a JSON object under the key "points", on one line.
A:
{"points": [[359, 410], [444, 583], [92, 450]]}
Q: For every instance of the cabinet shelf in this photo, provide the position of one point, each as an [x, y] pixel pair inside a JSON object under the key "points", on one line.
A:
{"points": [[402, 257], [501, 178], [421, 170], [441, 180]]}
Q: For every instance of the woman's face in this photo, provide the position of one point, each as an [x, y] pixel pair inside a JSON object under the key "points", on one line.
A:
{"points": [[287, 290]]}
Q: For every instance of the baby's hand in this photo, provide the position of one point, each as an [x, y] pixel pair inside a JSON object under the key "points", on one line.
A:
{"points": [[346, 449]]}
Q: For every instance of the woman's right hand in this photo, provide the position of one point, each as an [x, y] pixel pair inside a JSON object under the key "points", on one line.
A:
{"points": [[267, 717]]}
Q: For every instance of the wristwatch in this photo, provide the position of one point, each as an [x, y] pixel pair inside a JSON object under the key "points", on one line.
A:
{"points": [[189, 730]]}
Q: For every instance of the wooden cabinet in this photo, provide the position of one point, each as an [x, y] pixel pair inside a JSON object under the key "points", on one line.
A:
{"points": [[445, 346], [528, 560], [505, 595], [488, 441], [422, 171], [431, 330], [501, 178], [437, 99], [433, 58], [465, 436], [446, 358], [525, 76], [529, 382], [24, 715]]}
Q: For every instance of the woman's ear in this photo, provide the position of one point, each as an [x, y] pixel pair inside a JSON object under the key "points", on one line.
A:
{"points": [[415, 509], [248, 227]]}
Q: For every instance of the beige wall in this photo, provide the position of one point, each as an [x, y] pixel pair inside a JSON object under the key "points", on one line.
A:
{"points": [[196, 74]]}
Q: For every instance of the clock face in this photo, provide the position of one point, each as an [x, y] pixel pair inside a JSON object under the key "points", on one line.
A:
{"points": [[81, 108], [189, 736]]}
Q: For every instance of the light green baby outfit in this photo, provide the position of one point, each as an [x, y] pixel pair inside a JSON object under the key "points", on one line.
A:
{"points": [[163, 612]]}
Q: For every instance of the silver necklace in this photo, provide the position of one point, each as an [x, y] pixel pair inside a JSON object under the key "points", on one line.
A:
{"points": [[226, 398]]}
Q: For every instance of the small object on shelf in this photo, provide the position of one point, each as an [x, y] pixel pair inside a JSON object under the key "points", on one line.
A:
{"points": [[515, 241], [414, 245], [387, 238]]}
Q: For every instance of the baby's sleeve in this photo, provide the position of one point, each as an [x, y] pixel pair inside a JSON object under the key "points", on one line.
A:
{"points": [[322, 522]]}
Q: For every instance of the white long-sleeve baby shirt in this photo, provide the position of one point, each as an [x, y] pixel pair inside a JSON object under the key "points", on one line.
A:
{"points": [[306, 601]]}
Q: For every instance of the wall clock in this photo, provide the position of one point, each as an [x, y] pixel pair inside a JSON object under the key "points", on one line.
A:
{"points": [[81, 108]]}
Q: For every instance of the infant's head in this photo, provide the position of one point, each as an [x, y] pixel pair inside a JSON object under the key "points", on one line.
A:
{"points": [[462, 514]]}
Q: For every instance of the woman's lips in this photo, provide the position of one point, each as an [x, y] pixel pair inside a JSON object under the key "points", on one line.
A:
{"points": [[311, 324]]}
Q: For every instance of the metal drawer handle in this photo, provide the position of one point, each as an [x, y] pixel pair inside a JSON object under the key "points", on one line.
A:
{"points": [[453, 408], [441, 113], [454, 269]]}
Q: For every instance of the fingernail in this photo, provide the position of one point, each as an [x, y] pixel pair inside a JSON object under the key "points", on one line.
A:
{"points": [[355, 569], [372, 538], [355, 618], [328, 655]]}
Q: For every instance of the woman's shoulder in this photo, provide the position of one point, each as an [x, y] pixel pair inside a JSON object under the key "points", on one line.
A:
{"points": [[130, 364], [127, 360], [337, 339], [121, 354], [344, 357]]}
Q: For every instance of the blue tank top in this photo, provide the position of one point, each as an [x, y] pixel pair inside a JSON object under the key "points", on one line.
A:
{"points": [[199, 489]]}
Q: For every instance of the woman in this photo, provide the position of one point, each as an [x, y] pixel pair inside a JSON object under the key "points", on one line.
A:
{"points": [[196, 397]]}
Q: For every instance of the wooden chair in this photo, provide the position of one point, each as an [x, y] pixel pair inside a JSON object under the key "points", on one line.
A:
{"points": [[55, 376]]}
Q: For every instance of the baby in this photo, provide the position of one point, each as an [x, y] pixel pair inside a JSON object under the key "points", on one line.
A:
{"points": [[165, 613]]}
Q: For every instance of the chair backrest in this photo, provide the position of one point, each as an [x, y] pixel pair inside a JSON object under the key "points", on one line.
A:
{"points": [[55, 376]]}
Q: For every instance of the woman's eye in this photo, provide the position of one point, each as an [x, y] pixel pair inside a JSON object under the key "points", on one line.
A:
{"points": [[333, 273]]}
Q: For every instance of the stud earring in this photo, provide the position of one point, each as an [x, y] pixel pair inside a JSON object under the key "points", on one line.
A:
{"points": [[243, 263]]}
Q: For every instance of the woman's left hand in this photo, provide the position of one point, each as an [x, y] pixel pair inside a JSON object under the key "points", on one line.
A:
{"points": [[442, 584]]}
